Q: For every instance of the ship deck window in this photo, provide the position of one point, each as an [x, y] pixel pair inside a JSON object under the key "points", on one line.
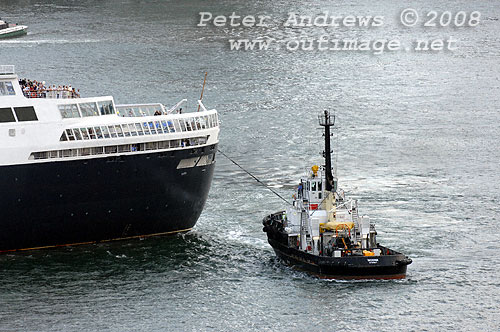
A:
{"points": [[132, 130], [98, 132], [106, 107], [110, 149], [126, 148], [70, 135], [88, 109], [119, 131], [85, 152], [164, 126], [152, 146], [171, 126], [112, 131], [91, 133], [152, 128], [77, 134], [6, 89], [183, 125], [125, 130], [69, 111], [105, 132], [25, 113], [138, 127], [84, 132], [159, 127], [6, 115], [176, 125]]}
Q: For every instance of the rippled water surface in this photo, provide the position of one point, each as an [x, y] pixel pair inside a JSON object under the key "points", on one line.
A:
{"points": [[417, 140]]}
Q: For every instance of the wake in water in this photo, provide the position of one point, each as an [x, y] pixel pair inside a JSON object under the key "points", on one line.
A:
{"points": [[19, 42]]}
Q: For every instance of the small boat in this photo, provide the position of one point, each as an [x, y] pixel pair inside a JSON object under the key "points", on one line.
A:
{"points": [[10, 30], [323, 232]]}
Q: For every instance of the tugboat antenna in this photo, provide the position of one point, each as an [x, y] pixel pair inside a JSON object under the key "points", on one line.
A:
{"points": [[326, 120]]}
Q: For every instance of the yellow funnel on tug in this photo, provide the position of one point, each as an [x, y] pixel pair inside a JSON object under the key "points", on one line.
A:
{"points": [[315, 170]]}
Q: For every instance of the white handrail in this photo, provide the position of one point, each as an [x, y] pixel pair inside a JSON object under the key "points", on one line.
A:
{"points": [[202, 106], [172, 109], [7, 70]]}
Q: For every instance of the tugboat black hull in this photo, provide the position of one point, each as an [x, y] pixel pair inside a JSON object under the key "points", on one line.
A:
{"points": [[101, 199], [352, 267], [389, 264]]}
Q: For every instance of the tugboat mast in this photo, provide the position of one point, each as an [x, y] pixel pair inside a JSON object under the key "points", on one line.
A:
{"points": [[327, 121]]}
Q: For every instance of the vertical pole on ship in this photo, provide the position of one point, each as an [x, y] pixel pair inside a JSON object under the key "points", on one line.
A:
{"points": [[202, 89]]}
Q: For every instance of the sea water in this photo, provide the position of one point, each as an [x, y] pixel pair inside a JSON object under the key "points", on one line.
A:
{"points": [[416, 141]]}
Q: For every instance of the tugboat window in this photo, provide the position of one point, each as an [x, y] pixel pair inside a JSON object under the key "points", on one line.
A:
{"points": [[6, 115], [25, 113], [313, 186]]}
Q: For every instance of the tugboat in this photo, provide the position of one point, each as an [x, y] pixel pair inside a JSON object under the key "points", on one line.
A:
{"points": [[10, 30], [85, 170], [323, 233]]}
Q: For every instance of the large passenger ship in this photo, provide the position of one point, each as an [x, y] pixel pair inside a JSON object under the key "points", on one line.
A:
{"points": [[84, 170]]}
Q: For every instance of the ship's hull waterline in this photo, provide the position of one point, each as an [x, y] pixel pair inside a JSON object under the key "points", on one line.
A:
{"points": [[93, 200]]}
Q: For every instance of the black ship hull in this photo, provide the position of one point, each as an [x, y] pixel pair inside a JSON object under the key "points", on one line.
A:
{"points": [[101, 199]]}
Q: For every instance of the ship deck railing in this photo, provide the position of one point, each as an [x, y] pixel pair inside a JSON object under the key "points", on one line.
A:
{"points": [[139, 110], [7, 70], [51, 93]]}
